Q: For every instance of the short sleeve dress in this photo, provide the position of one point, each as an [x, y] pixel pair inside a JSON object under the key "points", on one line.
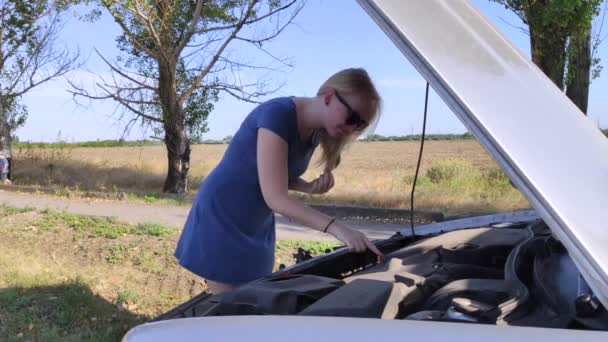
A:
{"points": [[229, 235]]}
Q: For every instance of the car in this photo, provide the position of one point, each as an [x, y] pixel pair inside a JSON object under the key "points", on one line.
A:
{"points": [[542, 272]]}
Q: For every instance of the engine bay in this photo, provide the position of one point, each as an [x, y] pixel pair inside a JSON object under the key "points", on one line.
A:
{"points": [[507, 276]]}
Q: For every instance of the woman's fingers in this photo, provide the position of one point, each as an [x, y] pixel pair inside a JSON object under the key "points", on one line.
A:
{"points": [[373, 247], [360, 243], [355, 240], [319, 185], [315, 187], [326, 182], [356, 246], [323, 184], [322, 181]]}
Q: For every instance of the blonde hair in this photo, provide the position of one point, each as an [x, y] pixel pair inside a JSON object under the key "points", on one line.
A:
{"points": [[354, 81]]}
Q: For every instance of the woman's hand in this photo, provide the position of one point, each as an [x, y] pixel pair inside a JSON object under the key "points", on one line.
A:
{"points": [[322, 184], [352, 238]]}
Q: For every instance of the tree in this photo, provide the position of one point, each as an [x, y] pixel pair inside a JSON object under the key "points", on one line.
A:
{"points": [[28, 57], [579, 68], [560, 41], [177, 64]]}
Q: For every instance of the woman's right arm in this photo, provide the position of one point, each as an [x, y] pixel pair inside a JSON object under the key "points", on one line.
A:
{"points": [[274, 182]]}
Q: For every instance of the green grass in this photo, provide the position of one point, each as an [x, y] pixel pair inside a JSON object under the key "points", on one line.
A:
{"points": [[152, 229], [315, 248], [101, 226], [116, 254], [150, 199], [97, 288], [162, 198], [127, 296], [458, 181], [41, 308], [8, 211]]}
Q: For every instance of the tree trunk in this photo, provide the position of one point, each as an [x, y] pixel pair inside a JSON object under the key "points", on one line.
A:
{"points": [[548, 53], [176, 141], [178, 155], [579, 70]]}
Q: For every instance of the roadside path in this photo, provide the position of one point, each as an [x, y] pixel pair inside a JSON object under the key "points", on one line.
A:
{"points": [[175, 216]]}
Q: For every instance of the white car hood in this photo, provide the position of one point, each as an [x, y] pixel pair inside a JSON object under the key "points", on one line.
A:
{"points": [[550, 150], [306, 329]]}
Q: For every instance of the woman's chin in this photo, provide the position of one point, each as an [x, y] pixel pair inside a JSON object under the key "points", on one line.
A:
{"points": [[335, 134]]}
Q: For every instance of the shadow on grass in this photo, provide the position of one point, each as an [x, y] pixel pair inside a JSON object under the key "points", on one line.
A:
{"points": [[66, 312], [91, 177], [70, 177]]}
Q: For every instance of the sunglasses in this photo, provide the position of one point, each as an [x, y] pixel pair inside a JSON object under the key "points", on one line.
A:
{"points": [[353, 119]]}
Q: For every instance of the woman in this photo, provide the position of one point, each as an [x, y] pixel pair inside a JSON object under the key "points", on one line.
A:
{"points": [[229, 236]]}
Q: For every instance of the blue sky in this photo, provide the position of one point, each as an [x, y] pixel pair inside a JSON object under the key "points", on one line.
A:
{"points": [[330, 35]]}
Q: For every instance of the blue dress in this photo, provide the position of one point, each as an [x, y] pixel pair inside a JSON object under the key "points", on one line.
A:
{"points": [[229, 235]]}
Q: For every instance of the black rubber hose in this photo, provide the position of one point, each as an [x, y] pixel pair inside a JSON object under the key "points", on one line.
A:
{"points": [[426, 102]]}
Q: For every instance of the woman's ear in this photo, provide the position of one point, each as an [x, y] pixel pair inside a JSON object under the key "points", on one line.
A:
{"points": [[327, 97]]}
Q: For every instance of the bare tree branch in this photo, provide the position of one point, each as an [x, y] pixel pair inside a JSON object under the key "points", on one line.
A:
{"points": [[124, 74], [197, 81], [108, 5], [245, 95], [198, 48], [191, 29], [597, 40], [116, 96], [259, 41], [42, 56], [521, 29], [147, 21], [282, 61]]}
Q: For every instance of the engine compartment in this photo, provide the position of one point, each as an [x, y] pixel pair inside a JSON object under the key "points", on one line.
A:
{"points": [[508, 276]]}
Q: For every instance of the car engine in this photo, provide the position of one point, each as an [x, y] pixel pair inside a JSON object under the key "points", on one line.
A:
{"points": [[493, 275]]}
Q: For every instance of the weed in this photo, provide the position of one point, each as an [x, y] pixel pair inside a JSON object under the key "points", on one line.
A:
{"points": [[150, 199], [152, 229], [116, 254], [139, 260], [127, 296]]}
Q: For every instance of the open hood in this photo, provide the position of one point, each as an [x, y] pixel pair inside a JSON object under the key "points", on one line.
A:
{"points": [[547, 147], [296, 329]]}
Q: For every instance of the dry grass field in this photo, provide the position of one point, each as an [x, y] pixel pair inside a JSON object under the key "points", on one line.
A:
{"points": [[457, 177]]}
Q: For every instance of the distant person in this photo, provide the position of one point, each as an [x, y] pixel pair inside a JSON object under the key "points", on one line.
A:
{"points": [[7, 154], [229, 236], [4, 168]]}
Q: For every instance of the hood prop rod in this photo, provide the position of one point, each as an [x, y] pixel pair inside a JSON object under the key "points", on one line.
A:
{"points": [[426, 101]]}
